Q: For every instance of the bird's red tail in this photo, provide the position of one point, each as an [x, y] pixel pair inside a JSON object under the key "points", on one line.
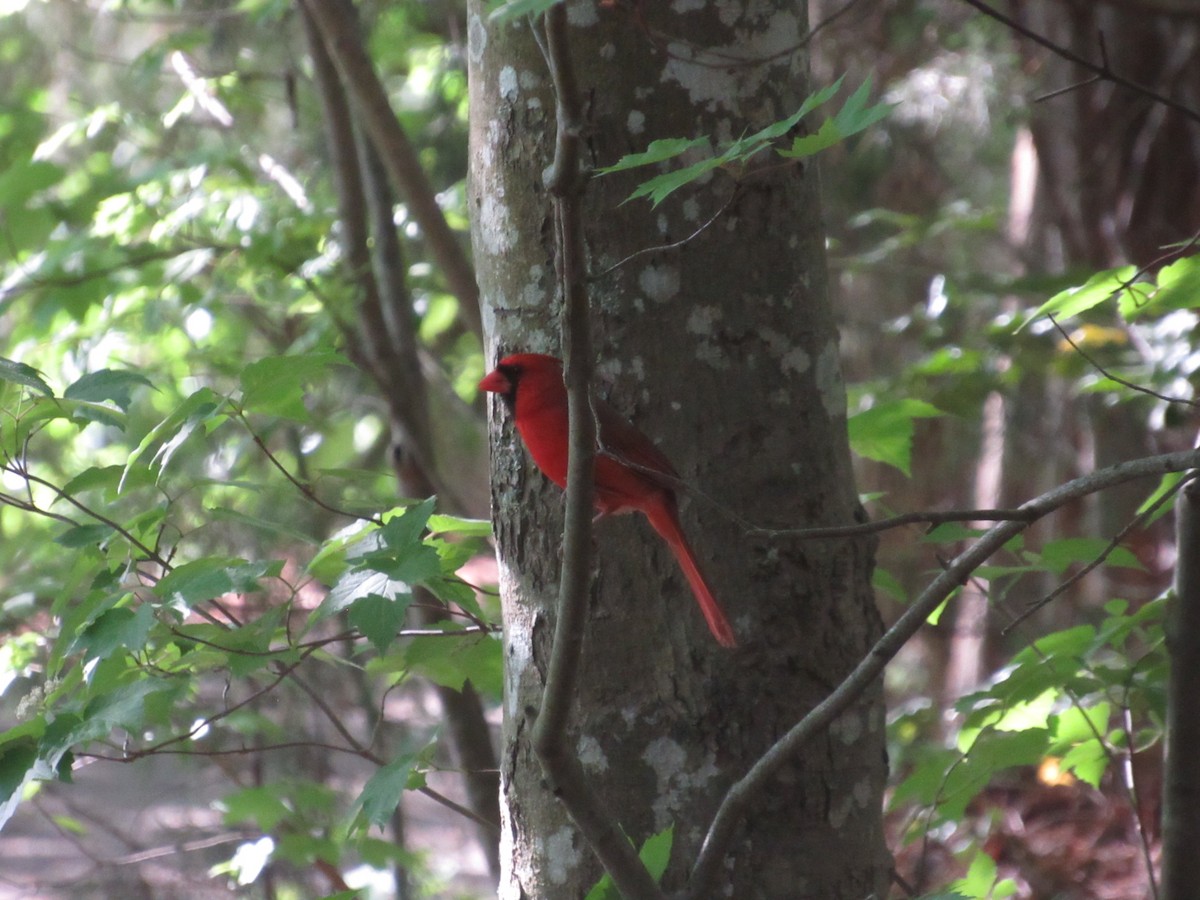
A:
{"points": [[666, 522]]}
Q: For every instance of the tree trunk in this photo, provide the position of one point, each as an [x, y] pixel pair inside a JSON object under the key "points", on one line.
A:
{"points": [[1181, 819], [745, 397]]}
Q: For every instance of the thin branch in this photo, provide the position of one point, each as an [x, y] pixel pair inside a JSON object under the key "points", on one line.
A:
{"points": [[299, 485], [1099, 732], [742, 795], [1104, 554], [150, 554], [675, 245], [1103, 70], [445, 801], [1131, 788], [277, 651], [925, 517], [559, 762], [123, 756], [429, 792], [337, 22], [1176, 252], [1141, 389], [207, 722], [173, 850], [1058, 92], [339, 726], [723, 59], [31, 281], [26, 506]]}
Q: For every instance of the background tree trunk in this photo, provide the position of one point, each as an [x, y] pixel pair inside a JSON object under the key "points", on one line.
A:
{"points": [[746, 399]]}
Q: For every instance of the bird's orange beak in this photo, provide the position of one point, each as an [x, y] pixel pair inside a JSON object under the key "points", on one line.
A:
{"points": [[495, 382]]}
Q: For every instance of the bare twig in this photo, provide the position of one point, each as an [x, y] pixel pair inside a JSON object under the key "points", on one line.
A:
{"points": [[549, 738], [299, 485], [1130, 783], [281, 674], [1141, 389], [150, 554], [663, 248], [1104, 554], [923, 517], [1102, 71], [429, 792], [338, 25]]}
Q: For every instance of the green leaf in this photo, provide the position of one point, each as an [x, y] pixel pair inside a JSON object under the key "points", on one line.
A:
{"points": [[451, 662], [396, 550], [26, 376], [935, 617], [81, 412], [1059, 555], [121, 707], [263, 806], [443, 524], [1076, 724], [21, 180], [658, 151], [304, 849], [84, 536], [1097, 289], [854, 116], [662, 186], [1178, 288], [1166, 484], [884, 432], [759, 139], [826, 136], [655, 855], [115, 628], [204, 579], [354, 585], [274, 386], [454, 591], [381, 794], [107, 384], [923, 784], [951, 533], [1019, 715], [107, 479], [1088, 760], [17, 761], [656, 852], [980, 878], [1070, 642], [992, 752], [198, 411], [407, 525], [379, 618], [409, 565]]}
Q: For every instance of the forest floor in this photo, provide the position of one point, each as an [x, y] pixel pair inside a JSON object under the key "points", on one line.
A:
{"points": [[154, 830], [1062, 840]]}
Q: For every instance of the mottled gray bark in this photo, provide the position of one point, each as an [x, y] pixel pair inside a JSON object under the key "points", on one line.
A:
{"points": [[725, 352]]}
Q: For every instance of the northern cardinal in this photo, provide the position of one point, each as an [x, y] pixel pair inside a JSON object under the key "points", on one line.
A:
{"points": [[630, 472]]}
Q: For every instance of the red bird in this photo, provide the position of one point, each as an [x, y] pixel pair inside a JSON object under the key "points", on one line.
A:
{"points": [[630, 473]]}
